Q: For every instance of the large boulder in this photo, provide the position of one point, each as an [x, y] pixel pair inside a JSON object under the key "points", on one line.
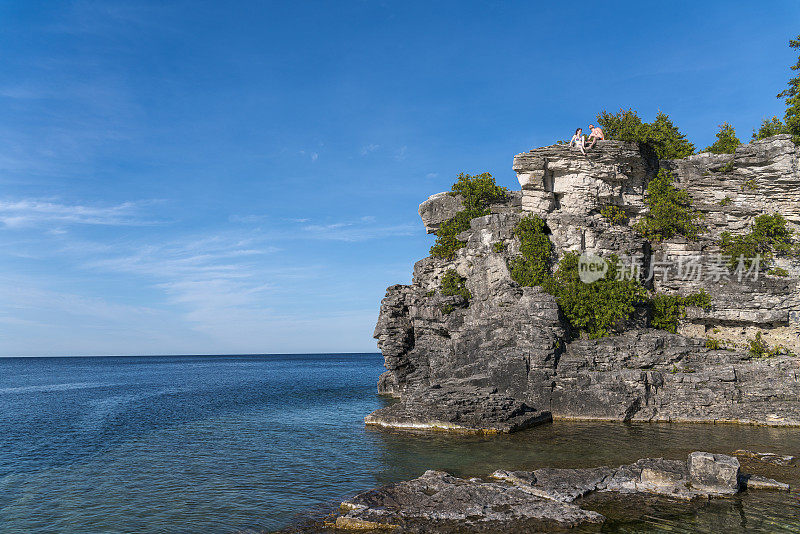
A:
{"points": [[438, 209], [714, 473]]}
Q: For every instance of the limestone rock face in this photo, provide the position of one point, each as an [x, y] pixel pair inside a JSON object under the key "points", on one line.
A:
{"points": [[510, 342], [560, 177], [437, 209], [760, 177]]}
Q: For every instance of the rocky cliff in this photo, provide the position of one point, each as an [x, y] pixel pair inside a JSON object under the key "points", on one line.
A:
{"points": [[509, 357]]}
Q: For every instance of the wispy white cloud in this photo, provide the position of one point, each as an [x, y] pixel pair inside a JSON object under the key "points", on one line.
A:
{"points": [[37, 212], [367, 149], [247, 219], [361, 230], [236, 288], [210, 277], [314, 156], [44, 318]]}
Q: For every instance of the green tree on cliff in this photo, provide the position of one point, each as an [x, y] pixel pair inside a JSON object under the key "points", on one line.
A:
{"points": [[726, 141], [791, 119], [661, 134], [791, 96], [768, 128]]}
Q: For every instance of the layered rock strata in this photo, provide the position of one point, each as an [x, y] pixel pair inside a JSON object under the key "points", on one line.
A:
{"points": [[509, 347]]}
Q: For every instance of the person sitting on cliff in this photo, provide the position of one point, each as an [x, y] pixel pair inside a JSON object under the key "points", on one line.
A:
{"points": [[578, 140], [596, 135]]}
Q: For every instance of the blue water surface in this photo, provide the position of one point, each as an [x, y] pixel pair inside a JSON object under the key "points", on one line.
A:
{"points": [[181, 444], [224, 444]]}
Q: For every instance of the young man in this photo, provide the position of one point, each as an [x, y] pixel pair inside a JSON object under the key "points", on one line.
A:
{"points": [[597, 134]]}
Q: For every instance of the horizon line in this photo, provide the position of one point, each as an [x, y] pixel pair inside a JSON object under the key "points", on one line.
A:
{"points": [[190, 355]]}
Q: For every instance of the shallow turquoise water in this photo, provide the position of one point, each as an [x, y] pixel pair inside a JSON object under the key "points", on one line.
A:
{"points": [[233, 443]]}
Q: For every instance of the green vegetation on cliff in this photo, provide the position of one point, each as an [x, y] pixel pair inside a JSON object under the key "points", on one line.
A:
{"points": [[768, 128], [726, 142], [791, 118], [670, 211], [667, 310], [453, 285], [600, 308], [478, 193], [759, 348], [661, 134], [532, 268], [769, 236], [791, 96], [614, 214]]}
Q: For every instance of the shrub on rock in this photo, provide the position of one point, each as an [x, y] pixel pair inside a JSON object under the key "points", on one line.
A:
{"points": [[769, 236], [600, 308], [670, 211], [453, 285], [532, 268], [726, 142], [478, 193], [661, 134], [667, 310], [768, 128]]}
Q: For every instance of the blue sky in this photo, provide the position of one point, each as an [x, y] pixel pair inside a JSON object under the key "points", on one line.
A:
{"points": [[243, 177]]}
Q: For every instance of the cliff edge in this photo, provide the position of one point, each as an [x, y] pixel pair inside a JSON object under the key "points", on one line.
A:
{"points": [[504, 357]]}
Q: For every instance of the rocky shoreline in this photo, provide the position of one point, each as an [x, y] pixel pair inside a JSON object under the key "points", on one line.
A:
{"points": [[469, 348], [504, 358], [540, 500]]}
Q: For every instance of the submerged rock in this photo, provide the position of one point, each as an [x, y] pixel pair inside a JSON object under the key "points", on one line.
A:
{"points": [[768, 457], [540, 500]]}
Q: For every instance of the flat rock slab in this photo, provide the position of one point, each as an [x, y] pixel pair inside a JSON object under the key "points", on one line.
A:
{"points": [[757, 482], [563, 485], [523, 501], [702, 475], [459, 409], [439, 502]]}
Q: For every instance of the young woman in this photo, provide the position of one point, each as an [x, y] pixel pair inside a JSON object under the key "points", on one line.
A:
{"points": [[578, 140]]}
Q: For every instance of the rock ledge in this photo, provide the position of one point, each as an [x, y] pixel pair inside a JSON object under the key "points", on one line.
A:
{"points": [[540, 500]]}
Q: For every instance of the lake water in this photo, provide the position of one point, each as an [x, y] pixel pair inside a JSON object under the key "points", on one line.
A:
{"points": [[258, 443]]}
